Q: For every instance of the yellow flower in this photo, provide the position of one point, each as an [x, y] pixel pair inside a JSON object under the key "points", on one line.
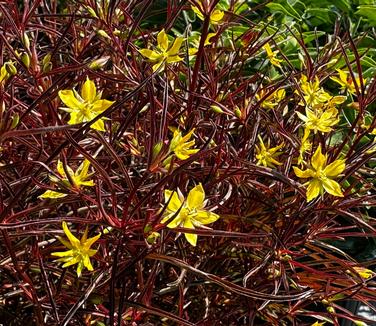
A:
{"points": [[346, 81], [85, 107], [272, 100], [318, 324], [188, 213], [78, 252], [215, 17], [312, 93], [364, 272], [79, 178], [305, 146], [163, 53], [272, 56], [196, 42], [321, 175], [267, 156], [181, 146], [318, 120]]}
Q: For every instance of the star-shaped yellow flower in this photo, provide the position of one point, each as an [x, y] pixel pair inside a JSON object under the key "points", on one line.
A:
{"points": [[321, 175], [346, 81], [319, 120], [181, 146], [312, 93], [266, 156], [85, 107], [188, 213], [163, 52], [78, 252], [215, 17], [272, 56], [272, 100], [79, 178]]}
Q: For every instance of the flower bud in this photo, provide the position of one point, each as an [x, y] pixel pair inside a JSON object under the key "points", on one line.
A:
{"points": [[101, 32], [26, 40], [98, 63], [25, 58], [11, 69], [238, 113], [330, 310], [216, 109]]}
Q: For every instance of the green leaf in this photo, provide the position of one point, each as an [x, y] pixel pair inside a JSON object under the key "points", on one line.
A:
{"points": [[368, 11], [286, 9]]}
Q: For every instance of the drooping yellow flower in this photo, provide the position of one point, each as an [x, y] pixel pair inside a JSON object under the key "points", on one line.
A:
{"points": [[266, 156], [79, 178], [85, 107], [78, 252], [312, 93], [215, 17], [272, 56], [346, 82], [181, 146], [364, 272], [305, 146], [188, 213], [318, 120], [321, 175], [272, 100], [163, 52]]}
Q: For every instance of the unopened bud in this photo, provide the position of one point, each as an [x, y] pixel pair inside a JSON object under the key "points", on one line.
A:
{"points": [[216, 109], [91, 12], [15, 120], [47, 67], [11, 69], [156, 149], [359, 323], [99, 63], [26, 40], [46, 59], [101, 32], [25, 58], [330, 310], [238, 113]]}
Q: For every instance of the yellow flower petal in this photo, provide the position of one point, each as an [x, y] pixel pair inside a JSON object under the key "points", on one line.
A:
{"points": [[196, 197], [68, 98], [313, 190], [174, 50], [174, 204], [303, 174], [162, 40], [332, 187], [62, 254], [335, 168], [318, 160], [73, 240], [151, 55], [101, 105], [52, 194], [89, 91], [205, 217], [191, 238], [98, 125], [216, 16]]}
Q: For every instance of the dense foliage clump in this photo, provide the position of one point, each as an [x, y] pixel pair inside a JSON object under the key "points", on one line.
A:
{"points": [[187, 162]]}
